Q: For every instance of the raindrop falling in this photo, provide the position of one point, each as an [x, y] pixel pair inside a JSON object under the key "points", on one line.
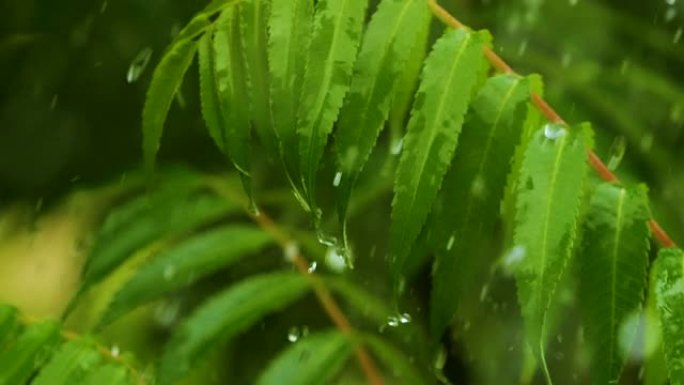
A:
{"points": [[138, 65], [312, 267], [53, 102], [646, 142], [392, 321], [670, 2], [165, 314], [677, 36], [573, 2], [115, 351], [522, 48], [554, 131], [103, 7], [450, 242], [617, 152], [338, 179], [404, 318], [670, 14], [513, 257], [483, 292]]}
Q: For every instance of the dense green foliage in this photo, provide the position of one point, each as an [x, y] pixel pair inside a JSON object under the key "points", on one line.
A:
{"points": [[309, 86]]}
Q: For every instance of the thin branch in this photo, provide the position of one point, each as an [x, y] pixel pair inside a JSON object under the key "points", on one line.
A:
{"points": [[551, 115], [326, 299]]}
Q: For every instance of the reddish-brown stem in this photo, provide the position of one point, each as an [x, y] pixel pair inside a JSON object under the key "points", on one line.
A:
{"points": [[550, 114], [320, 290]]}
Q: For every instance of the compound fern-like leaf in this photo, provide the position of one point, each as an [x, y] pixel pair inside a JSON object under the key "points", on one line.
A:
{"points": [[335, 38], [469, 206], [386, 47], [70, 363], [290, 34], [403, 369], [613, 262], [549, 196], [447, 83], [184, 264], [30, 350], [669, 296], [224, 316], [311, 361]]}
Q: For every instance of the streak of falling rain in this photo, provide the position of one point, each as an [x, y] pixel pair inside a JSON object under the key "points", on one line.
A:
{"points": [[138, 65]]}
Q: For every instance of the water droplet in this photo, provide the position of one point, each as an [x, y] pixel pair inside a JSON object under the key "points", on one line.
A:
{"points": [[291, 251], [397, 147], [450, 242], [573, 2], [624, 66], [114, 351], [53, 102], [617, 152], [477, 188], [670, 2], [554, 131], [392, 321], [404, 318], [165, 314], [483, 292], [293, 334], [677, 35], [513, 257], [169, 272], [312, 267], [559, 338], [334, 260], [566, 59], [338, 179], [138, 65]]}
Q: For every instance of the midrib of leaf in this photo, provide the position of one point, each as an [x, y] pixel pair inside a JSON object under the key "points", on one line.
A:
{"points": [[614, 256], [541, 306], [321, 100], [442, 102]]}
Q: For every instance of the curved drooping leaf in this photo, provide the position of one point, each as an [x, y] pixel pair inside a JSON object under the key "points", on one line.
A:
{"points": [[614, 262], [549, 196], [289, 36], [446, 87], [224, 316], [155, 221], [166, 81], [253, 18], [336, 34], [70, 363], [28, 352], [223, 91], [201, 21], [467, 212], [386, 47], [669, 293], [312, 360], [402, 368], [185, 263]]}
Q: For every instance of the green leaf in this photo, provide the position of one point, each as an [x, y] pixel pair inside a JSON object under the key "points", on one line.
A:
{"points": [[211, 105], [201, 21], [155, 220], [669, 293], [336, 35], [467, 213], [438, 110], [28, 352], [367, 304], [403, 369], [406, 87], [224, 316], [69, 364], [549, 196], [386, 47], [253, 18], [290, 34], [166, 81], [9, 325], [313, 360], [614, 270], [185, 263], [107, 374]]}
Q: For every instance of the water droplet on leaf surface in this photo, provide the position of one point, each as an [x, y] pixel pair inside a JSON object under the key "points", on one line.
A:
{"points": [[338, 179], [138, 65], [554, 131]]}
